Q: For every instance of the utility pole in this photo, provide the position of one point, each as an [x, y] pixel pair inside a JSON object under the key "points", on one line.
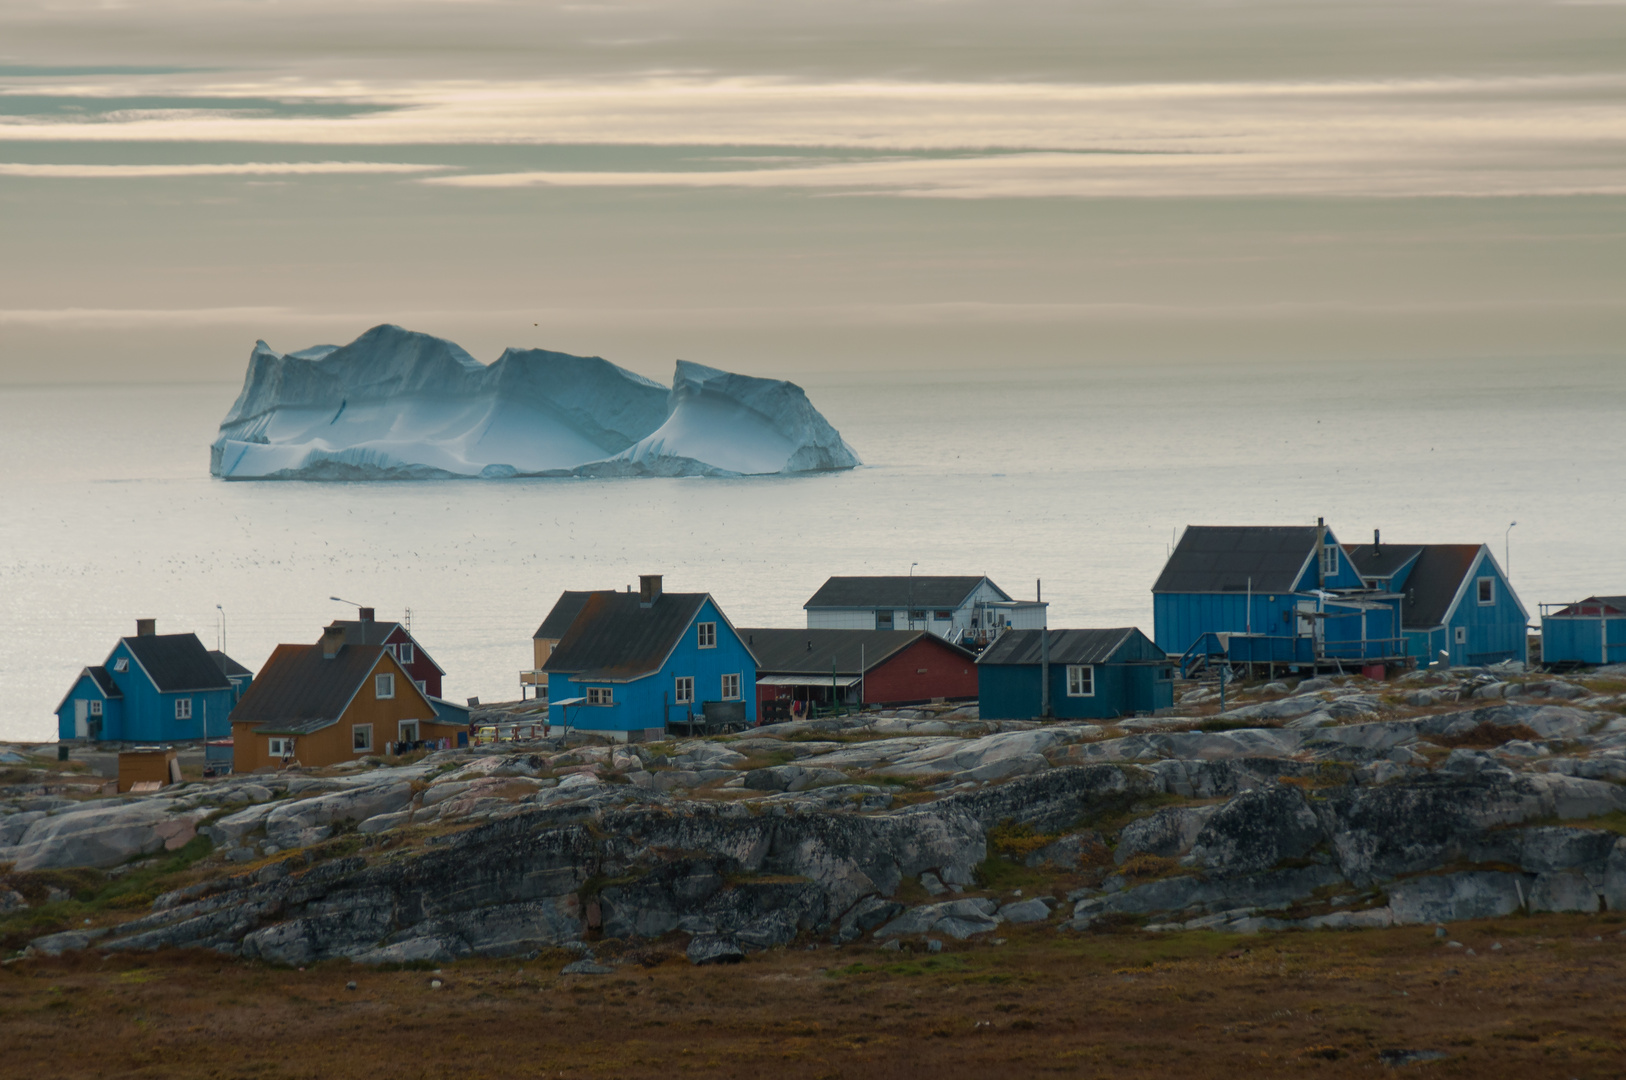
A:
{"points": [[1507, 555], [1044, 674], [912, 594]]}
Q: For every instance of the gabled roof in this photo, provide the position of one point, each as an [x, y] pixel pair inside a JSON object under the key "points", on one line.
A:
{"points": [[814, 652], [104, 682], [1026, 647], [565, 610], [898, 591], [1434, 583], [228, 666], [1617, 604], [1224, 558], [375, 632], [299, 690], [614, 638], [176, 662], [1381, 560]]}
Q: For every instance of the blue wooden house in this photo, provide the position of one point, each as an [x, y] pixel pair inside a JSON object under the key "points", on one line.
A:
{"points": [[151, 688], [1278, 595], [1453, 599], [1093, 675], [630, 664], [1589, 632]]}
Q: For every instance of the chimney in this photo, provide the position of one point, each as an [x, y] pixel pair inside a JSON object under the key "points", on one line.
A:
{"points": [[1038, 590], [1377, 542], [332, 641], [146, 628], [649, 589], [365, 614]]}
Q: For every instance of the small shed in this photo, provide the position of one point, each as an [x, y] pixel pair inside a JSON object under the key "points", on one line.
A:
{"points": [[872, 667], [1093, 675], [148, 765], [1587, 632]]}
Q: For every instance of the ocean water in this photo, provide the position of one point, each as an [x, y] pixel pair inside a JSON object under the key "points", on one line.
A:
{"points": [[1079, 477]]}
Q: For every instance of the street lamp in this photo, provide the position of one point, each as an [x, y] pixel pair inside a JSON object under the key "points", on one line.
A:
{"points": [[1507, 559], [222, 627]]}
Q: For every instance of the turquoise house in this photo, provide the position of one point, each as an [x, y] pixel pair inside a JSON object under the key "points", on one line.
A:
{"points": [[630, 664], [1590, 632], [1093, 675], [152, 688], [1454, 600]]}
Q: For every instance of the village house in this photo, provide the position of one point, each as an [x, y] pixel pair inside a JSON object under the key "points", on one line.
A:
{"points": [[857, 667], [630, 664], [1090, 675], [1454, 601], [239, 676], [152, 688], [420, 666], [1589, 632], [324, 704], [546, 639], [964, 609]]}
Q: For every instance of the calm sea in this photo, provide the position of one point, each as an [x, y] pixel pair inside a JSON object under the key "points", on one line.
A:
{"points": [[1080, 478]]}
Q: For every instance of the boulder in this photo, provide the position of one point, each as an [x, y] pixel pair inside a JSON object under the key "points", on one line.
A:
{"points": [[1257, 830], [714, 949], [1169, 832], [1025, 911], [100, 835], [1564, 890]]}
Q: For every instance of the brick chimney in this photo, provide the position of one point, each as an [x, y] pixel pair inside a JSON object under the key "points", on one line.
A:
{"points": [[649, 589], [146, 628], [332, 641], [364, 614]]}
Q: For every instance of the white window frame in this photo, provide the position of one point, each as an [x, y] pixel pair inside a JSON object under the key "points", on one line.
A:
{"points": [[122, 664], [1479, 589], [1459, 635], [884, 620], [705, 635], [1076, 677], [279, 746], [735, 694], [365, 744], [404, 652], [1329, 560], [419, 683], [600, 695], [683, 690], [95, 707], [384, 685], [183, 708], [401, 731]]}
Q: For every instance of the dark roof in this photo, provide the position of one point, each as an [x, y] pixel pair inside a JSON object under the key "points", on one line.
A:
{"points": [[227, 665], [1432, 584], [104, 682], [615, 638], [898, 591], [1380, 560], [564, 612], [1066, 646], [1223, 558], [176, 662], [375, 632], [811, 652], [299, 690]]}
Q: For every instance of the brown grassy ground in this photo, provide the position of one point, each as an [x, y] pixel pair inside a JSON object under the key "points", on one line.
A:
{"points": [[1550, 1003]]}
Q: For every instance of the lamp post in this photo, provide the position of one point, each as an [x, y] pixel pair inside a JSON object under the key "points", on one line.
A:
{"points": [[222, 627], [1507, 559]]}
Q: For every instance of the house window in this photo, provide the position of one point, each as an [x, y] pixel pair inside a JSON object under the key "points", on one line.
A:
{"points": [[95, 708], [1329, 559], [419, 683], [383, 686], [707, 633], [361, 738], [404, 652], [121, 664], [943, 616], [1080, 680], [916, 616], [883, 620], [685, 689], [183, 708], [600, 695], [731, 687], [1461, 637], [1487, 590], [279, 747]]}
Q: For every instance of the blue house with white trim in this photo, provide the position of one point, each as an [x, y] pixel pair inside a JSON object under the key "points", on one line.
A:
{"points": [[1094, 675], [151, 688], [1453, 599], [631, 663], [1285, 595], [1589, 632]]}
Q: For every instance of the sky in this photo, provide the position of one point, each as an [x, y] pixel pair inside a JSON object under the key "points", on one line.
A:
{"points": [[779, 187]]}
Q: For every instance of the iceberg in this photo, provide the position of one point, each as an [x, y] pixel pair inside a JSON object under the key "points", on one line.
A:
{"points": [[399, 405]]}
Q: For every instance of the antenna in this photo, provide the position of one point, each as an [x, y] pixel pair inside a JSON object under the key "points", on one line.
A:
{"points": [[408, 620]]}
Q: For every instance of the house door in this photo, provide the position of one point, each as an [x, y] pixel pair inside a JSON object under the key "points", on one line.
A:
{"points": [[81, 719], [409, 731], [1310, 626]]}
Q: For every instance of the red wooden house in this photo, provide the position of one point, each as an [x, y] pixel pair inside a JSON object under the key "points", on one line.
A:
{"points": [[869, 667], [400, 643]]}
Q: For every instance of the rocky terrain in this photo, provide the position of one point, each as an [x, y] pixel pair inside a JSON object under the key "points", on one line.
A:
{"points": [[1336, 803]]}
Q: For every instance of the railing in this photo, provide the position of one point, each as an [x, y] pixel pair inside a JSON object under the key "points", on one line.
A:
{"points": [[1297, 649], [1206, 646]]}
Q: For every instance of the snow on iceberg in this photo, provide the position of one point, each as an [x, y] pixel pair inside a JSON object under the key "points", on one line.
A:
{"points": [[395, 404]]}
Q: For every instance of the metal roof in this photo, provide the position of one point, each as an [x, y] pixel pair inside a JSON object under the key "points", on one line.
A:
{"points": [[376, 632], [228, 667], [104, 682], [815, 651], [615, 638], [898, 591], [1225, 558], [1433, 584], [176, 662], [809, 679], [564, 612], [299, 690], [1381, 560], [1616, 603], [1025, 647]]}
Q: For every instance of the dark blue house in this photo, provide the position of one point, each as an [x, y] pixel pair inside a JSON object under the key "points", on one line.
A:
{"points": [[151, 688], [632, 663], [1093, 675], [1452, 599], [1271, 595], [1589, 632]]}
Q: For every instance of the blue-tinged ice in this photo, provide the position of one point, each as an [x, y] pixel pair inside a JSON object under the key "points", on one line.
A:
{"points": [[399, 405]]}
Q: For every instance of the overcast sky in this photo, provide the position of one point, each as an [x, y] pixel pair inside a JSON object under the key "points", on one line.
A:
{"points": [[831, 185]]}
